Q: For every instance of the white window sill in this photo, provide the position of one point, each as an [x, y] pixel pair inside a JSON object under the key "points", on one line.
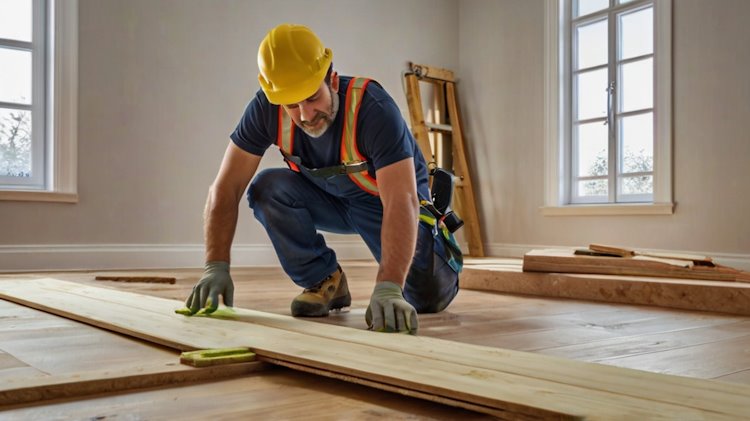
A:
{"points": [[609, 209], [37, 196]]}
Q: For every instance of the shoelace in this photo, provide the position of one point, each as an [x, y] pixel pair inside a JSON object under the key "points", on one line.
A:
{"points": [[317, 288]]}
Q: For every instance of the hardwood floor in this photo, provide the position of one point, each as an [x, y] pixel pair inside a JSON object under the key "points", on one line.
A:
{"points": [[686, 343]]}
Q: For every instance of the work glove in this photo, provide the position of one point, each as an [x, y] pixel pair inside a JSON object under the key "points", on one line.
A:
{"points": [[215, 281], [389, 311]]}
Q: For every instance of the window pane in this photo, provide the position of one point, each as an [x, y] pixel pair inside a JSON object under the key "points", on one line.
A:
{"points": [[637, 90], [591, 94], [591, 44], [15, 143], [636, 33], [15, 19], [637, 185], [584, 7], [593, 188], [15, 76], [592, 149], [637, 144]]}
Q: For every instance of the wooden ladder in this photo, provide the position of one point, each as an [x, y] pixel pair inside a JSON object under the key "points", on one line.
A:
{"points": [[442, 141]]}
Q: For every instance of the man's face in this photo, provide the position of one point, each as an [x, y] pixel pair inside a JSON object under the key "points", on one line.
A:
{"points": [[316, 114]]}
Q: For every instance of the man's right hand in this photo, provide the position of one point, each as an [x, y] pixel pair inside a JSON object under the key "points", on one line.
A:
{"points": [[215, 281]]}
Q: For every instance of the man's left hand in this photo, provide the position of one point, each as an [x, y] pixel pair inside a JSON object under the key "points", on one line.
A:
{"points": [[389, 311]]}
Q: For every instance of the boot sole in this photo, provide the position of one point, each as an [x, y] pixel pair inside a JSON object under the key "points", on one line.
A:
{"points": [[303, 309]]}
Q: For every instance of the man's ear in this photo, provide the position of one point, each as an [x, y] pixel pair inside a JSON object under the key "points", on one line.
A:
{"points": [[335, 81]]}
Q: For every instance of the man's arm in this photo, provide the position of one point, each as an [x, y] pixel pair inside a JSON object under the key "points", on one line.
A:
{"points": [[224, 195], [220, 221], [398, 192], [388, 310]]}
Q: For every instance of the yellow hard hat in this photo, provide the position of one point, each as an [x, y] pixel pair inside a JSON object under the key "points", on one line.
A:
{"points": [[292, 62]]}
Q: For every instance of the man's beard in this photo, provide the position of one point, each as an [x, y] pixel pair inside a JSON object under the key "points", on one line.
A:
{"points": [[307, 126]]}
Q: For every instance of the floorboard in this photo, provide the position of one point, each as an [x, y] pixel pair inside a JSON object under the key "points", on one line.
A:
{"points": [[648, 338]]}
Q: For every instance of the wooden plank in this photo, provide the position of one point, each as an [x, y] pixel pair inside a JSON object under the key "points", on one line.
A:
{"points": [[624, 252], [565, 261], [410, 393], [22, 390], [646, 395], [278, 394], [718, 296], [159, 324]]}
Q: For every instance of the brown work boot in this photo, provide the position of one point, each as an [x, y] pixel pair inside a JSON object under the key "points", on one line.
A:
{"points": [[331, 294]]}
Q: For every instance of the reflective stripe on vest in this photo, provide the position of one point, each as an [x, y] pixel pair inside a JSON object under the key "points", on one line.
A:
{"points": [[350, 154], [285, 136]]}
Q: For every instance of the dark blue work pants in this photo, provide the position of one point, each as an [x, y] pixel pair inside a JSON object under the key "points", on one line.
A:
{"points": [[293, 209]]}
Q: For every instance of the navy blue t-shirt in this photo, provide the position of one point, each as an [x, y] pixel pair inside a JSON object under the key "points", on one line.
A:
{"points": [[382, 138]]}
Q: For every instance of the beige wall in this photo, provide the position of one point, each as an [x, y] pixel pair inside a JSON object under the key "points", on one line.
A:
{"points": [[501, 51], [164, 82]]}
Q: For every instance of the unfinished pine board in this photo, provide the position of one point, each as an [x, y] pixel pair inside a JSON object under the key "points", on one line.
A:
{"points": [[481, 318], [277, 394], [163, 326], [63, 359], [21, 390], [565, 261], [505, 275], [642, 395], [72, 378], [57, 346], [515, 322]]}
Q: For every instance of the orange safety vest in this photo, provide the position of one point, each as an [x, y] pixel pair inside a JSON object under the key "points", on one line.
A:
{"points": [[352, 162]]}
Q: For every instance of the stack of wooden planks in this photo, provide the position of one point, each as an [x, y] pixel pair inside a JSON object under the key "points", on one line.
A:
{"points": [[506, 275], [568, 261], [507, 384]]}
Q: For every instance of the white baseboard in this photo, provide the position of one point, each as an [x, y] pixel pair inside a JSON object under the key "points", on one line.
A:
{"points": [[160, 256], [737, 261], [145, 256]]}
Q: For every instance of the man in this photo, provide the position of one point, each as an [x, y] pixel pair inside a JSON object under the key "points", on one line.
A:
{"points": [[353, 168]]}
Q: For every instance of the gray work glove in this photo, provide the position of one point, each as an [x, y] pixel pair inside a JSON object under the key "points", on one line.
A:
{"points": [[215, 281], [389, 311]]}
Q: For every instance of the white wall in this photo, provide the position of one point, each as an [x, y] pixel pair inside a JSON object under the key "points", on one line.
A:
{"points": [[501, 55], [162, 83]]}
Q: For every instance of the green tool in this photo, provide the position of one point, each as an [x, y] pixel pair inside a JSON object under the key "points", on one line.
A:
{"points": [[210, 357]]}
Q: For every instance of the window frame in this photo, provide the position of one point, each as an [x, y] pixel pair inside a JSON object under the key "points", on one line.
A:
{"points": [[58, 101], [558, 115]]}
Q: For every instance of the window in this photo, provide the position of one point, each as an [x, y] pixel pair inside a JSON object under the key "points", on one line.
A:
{"points": [[38, 66], [608, 102]]}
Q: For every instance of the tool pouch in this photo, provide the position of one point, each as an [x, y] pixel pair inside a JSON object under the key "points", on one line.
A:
{"points": [[432, 282]]}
